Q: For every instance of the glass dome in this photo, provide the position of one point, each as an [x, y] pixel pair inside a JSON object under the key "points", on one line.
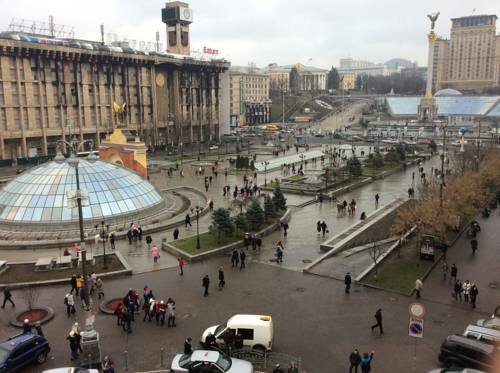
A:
{"points": [[39, 195]]}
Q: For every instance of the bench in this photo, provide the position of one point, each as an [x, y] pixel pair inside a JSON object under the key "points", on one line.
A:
{"points": [[64, 262], [43, 264]]}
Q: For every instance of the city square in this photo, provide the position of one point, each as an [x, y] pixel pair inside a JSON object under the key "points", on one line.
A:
{"points": [[140, 182]]}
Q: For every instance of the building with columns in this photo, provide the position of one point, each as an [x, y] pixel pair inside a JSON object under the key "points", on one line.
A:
{"points": [[52, 88]]}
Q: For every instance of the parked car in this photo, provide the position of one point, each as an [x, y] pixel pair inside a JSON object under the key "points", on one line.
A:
{"points": [[493, 323], [485, 335], [256, 331], [21, 350], [460, 351], [203, 361], [71, 370], [230, 137]]}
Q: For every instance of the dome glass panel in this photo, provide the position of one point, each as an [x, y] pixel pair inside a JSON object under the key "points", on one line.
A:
{"points": [[39, 195]]}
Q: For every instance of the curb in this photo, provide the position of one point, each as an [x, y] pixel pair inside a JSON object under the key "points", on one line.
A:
{"points": [[227, 248], [126, 271], [50, 316]]}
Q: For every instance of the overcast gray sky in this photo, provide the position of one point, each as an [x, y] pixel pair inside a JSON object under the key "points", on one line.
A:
{"points": [[264, 31]]}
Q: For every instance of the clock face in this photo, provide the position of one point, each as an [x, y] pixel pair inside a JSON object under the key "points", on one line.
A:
{"points": [[187, 14]]}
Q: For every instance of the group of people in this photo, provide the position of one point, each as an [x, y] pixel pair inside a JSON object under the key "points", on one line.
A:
{"points": [[134, 234], [467, 290], [94, 284], [322, 227]]}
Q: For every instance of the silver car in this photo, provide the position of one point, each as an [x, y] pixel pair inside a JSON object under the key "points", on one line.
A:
{"points": [[205, 361], [493, 323]]}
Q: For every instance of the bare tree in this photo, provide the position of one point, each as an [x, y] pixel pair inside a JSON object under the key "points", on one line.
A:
{"points": [[375, 253], [30, 295]]}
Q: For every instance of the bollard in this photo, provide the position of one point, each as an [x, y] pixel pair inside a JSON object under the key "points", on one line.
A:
{"points": [[126, 359], [161, 357]]}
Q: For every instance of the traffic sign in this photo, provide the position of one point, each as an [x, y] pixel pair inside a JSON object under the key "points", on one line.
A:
{"points": [[417, 310], [416, 327]]}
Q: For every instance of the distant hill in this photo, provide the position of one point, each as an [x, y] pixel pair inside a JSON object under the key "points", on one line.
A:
{"points": [[394, 63]]}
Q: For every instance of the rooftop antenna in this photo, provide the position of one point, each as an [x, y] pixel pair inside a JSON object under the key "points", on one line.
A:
{"points": [[102, 33], [51, 26]]}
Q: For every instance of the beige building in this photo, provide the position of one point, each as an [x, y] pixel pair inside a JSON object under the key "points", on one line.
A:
{"points": [[470, 59], [249, 100], [279, 78], [347, 82]]}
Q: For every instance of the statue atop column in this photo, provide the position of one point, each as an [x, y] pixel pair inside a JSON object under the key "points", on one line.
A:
{"points": [[433, 17]]}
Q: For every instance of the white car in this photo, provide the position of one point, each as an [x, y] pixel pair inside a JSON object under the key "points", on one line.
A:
{"points": [[493, 323], [205, 361], [71, 370], [213, 147]]}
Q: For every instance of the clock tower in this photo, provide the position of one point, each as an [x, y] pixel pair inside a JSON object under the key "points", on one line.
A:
{"points": [[177, 15]]}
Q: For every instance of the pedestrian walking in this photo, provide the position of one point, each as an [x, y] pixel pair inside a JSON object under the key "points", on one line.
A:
{"points": [[318, 226], [324, 228], [38, 328], [377, 197], [188, 349], [72, 281], [107, 365], [279, 254], [473, 295], [285, 229], [354, 360], [171, 313], [454, 273], [69, 302], [155, 253], [205, 283], [235, 259], [347, 282], [222, 281], [378, 317], [444, 269], [473, 245], [292, 368], [211, 206], [73, 345], [181, 263], [366, 361], [112, 239], [7, 297], [100, 288], [187, 221], [176, 233], [457, 290], [242, 259], [26, 326], [418, 287], [466, 286], [278, 369], [127, 319], [149, 239]]}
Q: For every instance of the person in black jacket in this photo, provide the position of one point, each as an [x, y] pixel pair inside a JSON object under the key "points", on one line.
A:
{"points": [[7, 296], [188, 349], [205, 283], [347, 282], [355, 360], [222, 281], [378, 317]]}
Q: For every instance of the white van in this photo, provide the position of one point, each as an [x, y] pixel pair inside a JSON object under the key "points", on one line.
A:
{"points": [[256, 331], [486, 335]]}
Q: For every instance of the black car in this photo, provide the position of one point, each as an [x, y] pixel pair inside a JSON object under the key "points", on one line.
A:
{"points": [[460, 351]]}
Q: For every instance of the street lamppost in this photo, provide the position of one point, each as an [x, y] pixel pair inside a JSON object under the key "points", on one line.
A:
{"points": [[265, 163], [104, 234], [443, 156], [73, 161], [197, 211]]}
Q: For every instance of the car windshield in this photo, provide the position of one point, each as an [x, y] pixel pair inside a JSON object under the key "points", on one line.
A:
{"points": [[185, 360], [3, 354], [224, 362], [220, 329]]}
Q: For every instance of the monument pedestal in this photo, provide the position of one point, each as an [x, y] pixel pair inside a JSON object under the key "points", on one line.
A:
{"points": [[427, 110]]}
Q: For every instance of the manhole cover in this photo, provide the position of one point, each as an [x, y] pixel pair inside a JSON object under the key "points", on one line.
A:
{"points": [[300, 290], [306, 261], [493, 285]]}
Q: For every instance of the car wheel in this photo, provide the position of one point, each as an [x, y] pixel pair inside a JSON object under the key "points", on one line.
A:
{"points": [[41, 357], [259, 348]]}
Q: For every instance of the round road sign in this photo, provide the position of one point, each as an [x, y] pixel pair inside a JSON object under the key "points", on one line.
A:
{"points": [[417, 310]]}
